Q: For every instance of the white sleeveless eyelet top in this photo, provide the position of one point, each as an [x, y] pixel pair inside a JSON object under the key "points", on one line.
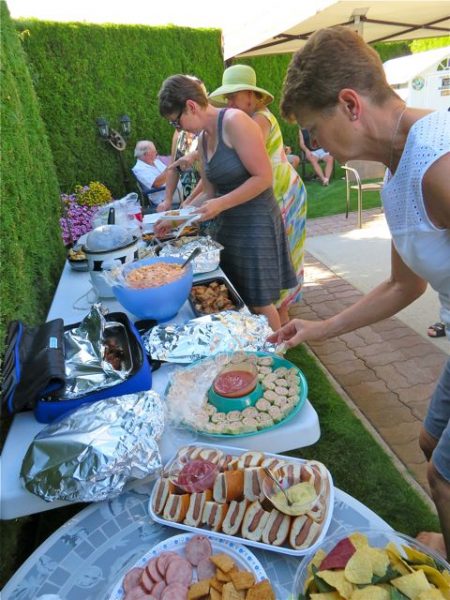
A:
{"points": [[422, 246]]}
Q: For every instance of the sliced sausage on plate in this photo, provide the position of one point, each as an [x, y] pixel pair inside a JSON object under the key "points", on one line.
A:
{"points": [[197, 549]]}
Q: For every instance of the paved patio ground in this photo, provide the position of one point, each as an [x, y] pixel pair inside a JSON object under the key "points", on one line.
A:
{"points": [[388, 370]]}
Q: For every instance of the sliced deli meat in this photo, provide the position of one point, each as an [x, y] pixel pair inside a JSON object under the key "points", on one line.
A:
{"points": [[179, 571], [132, 578], [197, 549]]}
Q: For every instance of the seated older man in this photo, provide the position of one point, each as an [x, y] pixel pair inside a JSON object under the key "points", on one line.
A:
{"points": [[150, 171]]}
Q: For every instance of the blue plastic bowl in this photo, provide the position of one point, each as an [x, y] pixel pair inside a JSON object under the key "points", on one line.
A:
{"points": [[160, 303]]}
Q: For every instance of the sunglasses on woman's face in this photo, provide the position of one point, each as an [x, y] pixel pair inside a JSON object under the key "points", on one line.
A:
{"points": [[176, 123]]}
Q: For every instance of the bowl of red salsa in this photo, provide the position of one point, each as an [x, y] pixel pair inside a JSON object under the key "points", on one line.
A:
{"points": [[236, 387]]}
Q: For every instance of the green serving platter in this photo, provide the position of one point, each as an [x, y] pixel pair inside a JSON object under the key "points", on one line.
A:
{"points": [[278, 362]]}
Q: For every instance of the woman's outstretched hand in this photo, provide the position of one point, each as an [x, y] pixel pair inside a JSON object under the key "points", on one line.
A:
{"points": [[297, 331]]}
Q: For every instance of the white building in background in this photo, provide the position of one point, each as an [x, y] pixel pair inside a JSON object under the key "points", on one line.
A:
{"points": [[422, 79]]}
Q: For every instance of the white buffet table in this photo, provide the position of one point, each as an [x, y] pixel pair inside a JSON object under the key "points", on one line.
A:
{"points": [[16, 501]]}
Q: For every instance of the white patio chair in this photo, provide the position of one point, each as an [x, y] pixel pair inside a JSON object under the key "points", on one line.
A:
{"points": [[360, 176]]}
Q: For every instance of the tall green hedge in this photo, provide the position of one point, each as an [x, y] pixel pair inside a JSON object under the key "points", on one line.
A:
{"points": [[31, 248], [84, 71]]}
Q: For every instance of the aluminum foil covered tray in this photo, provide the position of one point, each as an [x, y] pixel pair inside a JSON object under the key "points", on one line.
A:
{"points": [[209, 258]]}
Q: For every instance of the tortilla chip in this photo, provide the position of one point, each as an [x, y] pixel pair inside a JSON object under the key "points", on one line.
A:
{"points": [[418, 557], [379, 560], [431, 595], [359, 568], [359, 540], [339, 556], [435, 577], [316, 561], [337, 580], [412, 585], [371, 592], [397, 562]]}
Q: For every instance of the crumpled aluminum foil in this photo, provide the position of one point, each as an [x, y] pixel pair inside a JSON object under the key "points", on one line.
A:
{"points": [[227, 331], [91, 453], [86, 370], [208, 259]]}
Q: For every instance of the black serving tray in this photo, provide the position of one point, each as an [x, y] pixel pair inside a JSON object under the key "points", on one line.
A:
{"points": [[233, 295]]}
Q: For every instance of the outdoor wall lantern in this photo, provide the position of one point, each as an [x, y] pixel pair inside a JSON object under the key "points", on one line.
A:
{"points": [[117, 140]]}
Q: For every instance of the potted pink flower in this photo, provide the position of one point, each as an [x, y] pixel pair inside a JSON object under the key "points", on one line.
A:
{"points": [[79, 209]]}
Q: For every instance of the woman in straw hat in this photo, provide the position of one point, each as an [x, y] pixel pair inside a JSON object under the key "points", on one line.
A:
{"points": [[237, 182], [239, 90], [350, 109]]}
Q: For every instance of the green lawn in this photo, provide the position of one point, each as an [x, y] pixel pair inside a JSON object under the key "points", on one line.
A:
{"points": [[330, 200], [356, 461]]}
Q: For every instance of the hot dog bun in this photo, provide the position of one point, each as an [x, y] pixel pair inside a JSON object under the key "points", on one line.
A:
{"points": [[276, 529], [250, 459], [253, 478], [176, 507], [163, 488], [233, 520], [196, 506], [228, 486], [214, 514], [255, 520], [303, 532]]}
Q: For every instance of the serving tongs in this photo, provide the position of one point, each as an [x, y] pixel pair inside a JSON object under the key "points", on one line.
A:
{"points": [[179, 230]]}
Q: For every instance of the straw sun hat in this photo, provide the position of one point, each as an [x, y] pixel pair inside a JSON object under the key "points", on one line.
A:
{"points": [[236, 79]]}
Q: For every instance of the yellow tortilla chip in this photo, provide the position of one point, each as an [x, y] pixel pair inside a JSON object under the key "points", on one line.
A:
{"points": [[435, 577], [326, 596], [337, 580], [359, 540], [379, 560], [431, 595], [359, 567], [412, 585], [397, 562], [371, 592], [316, 561], [418, 557]]}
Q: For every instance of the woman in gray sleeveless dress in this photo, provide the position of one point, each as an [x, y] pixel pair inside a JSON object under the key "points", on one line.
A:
{"points": [[238, 194]]}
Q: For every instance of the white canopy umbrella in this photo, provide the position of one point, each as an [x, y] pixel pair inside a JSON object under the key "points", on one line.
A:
{"points": [[286, 29]]}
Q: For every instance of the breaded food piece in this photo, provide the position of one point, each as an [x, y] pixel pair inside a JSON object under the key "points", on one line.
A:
{"points": [[261, 591], [222, 561], [243, 580], [198, 590], [229, 592]]}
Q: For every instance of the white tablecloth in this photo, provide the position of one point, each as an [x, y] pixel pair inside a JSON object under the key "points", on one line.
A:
{"points": [[71, 302]]}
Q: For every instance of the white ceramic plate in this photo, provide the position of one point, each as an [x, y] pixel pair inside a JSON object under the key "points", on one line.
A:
{"points": [[241, 555]]}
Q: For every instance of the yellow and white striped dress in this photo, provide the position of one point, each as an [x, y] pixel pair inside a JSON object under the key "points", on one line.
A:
{"points": [[290, 193]]}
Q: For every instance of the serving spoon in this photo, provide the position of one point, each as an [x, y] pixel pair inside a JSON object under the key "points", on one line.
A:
{"points": [[277, 483], [191, 256]]}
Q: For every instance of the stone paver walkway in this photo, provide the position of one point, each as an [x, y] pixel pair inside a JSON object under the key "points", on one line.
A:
{"points": [[387, 370]]}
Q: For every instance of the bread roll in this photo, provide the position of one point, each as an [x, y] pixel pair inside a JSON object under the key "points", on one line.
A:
{"points": [[255, 520], [214, 514], [163, 488], [291, 473], [276, 529], [253, 478], [196, 506], [250, 459], [176, 507], [233, 520], [228, 486], [303, 532]]}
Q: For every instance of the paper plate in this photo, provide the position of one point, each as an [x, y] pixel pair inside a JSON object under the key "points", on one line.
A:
{"points": [[242, 556]]}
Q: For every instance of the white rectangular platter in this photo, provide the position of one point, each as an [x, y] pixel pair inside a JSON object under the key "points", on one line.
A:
{"points": [[283, 549]]}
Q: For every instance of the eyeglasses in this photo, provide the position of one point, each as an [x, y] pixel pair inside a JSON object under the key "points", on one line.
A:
{"points": [[176, 123]]}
